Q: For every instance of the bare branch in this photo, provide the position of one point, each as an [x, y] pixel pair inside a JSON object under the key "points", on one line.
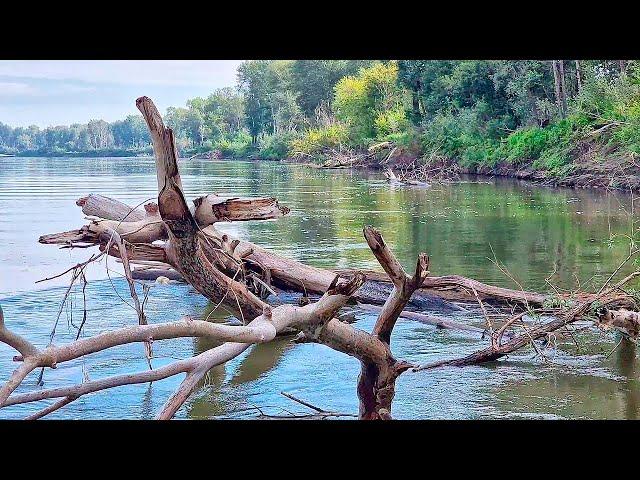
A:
{"points": [[52, 408]]}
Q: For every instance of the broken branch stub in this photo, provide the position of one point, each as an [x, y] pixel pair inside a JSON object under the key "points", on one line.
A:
{"points": [[376, 384], [108, 208], [213, 208]]}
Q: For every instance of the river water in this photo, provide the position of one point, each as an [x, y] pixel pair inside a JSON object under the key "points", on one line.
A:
{"points": [[532, 231]]}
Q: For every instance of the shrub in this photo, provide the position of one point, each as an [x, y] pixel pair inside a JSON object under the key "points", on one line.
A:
{"points": [[316, 141], [237, 147], [275, 147], [391, 122], [370, 103], [525, 144]]}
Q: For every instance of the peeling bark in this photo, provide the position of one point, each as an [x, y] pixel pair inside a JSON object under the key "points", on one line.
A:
{"points": [[212, 208]]}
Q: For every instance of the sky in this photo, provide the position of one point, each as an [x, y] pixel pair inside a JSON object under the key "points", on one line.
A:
{"points": [[62, 92]]}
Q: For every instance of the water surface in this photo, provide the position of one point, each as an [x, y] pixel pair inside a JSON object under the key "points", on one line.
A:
{"points": [[533, 231]]}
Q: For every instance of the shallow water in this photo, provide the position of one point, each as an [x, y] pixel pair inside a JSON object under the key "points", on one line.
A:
{"points": [[533, 231]]}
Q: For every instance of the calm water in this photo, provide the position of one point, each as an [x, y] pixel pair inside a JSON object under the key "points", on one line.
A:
{"points": [[532, 231]]}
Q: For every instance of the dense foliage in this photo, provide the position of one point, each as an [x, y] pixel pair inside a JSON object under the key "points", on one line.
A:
{"points": [[125, 136], [476, 113]]}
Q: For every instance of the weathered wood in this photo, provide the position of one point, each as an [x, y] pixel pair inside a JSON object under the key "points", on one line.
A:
{"points": [[213, 208], [139, 251], [184, 251], [459, 288], [108, 208], [428, 319], [164, 148], [625, 321], [376, 384], [147, 230], [494, 352]]}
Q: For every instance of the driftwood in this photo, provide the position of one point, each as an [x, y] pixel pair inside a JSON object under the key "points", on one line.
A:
{"points": [[207, 261], [623, 321], [429, 320], [395, 180], [183, 242], [105, 207]]}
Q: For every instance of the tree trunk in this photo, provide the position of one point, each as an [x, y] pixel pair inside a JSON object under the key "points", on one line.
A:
{"points": [[563, 85], [623, 66], [578, 76], [558, 77]]}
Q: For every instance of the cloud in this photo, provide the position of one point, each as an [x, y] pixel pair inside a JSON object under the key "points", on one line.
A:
{"points": [[56, 92], [25, 89], [201, 73], [13, 89]]}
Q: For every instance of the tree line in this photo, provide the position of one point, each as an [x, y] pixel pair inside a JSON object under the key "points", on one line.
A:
{"points": [[128, 135], [475, 112]]}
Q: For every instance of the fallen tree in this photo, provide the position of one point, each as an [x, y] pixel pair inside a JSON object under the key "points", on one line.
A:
{"points": [[182, 241]]}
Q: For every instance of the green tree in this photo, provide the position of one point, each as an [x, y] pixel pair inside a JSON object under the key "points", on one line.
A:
{"points": [[314, 80], [131, 132], [262, 82], [363, 99]]}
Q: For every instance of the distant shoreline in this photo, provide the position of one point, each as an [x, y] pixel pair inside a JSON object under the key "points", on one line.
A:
{"points": [[105, 153]]}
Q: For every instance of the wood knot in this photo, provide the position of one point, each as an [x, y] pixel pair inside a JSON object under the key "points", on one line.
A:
{"points": [[151, 208]]}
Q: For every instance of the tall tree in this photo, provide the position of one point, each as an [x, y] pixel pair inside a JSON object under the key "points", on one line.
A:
{"points": [[559, 82], [262, 82], [314, 80]]}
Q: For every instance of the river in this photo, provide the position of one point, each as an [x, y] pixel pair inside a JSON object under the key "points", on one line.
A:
{"points": [[533, 231]]}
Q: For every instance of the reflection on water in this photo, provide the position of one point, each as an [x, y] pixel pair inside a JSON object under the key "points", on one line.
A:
{"points": [[533, 231]]}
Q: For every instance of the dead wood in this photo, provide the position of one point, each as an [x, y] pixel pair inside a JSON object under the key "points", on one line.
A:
{"points": [[235, 274]]}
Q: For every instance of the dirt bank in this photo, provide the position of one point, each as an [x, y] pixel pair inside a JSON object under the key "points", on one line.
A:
{"points": [[593, 166]]}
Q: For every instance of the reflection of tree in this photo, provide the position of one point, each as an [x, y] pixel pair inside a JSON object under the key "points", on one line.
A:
{"points": [[262, 359], [211, 399], [147, 409], [579, 394], [530, 229], [627, 365]]}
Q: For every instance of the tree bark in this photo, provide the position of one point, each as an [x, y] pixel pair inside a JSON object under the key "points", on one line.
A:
{"points": [[376, 384], [558, 77], [212, 208], [578, 76]]}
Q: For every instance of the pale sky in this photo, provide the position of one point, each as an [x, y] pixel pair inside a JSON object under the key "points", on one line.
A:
{"points": [[61, 92]]}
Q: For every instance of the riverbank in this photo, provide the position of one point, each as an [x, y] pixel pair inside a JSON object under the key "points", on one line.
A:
{"points": [[592, 165]]}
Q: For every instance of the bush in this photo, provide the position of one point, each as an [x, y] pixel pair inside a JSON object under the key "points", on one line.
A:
{"points": [[238, 147], [549, 147], [316, 141], [525, 144], [275, 147], [462, 137], [391, 122], [604, 101], [628, 134]]}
